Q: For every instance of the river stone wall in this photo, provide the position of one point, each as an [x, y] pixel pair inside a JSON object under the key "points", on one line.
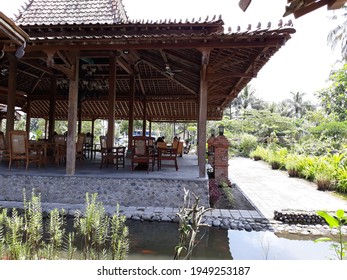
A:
{"points": [[126, 192]]}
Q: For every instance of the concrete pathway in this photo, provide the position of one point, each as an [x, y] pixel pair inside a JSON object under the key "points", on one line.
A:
{"points": [[271, 190]]}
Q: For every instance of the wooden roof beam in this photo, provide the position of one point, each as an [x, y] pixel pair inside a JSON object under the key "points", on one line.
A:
{"points": [[309, 8], [218, 76], [169, 76], [237, 85], [215, 42], [126, 66], [37, 66], [336, 4]]}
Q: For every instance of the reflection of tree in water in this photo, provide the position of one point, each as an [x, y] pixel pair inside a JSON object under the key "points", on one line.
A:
{"points": [[218, 245], [157, 240]]}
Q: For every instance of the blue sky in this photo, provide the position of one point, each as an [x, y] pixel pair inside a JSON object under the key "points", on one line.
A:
{"points": [[303, 64]]}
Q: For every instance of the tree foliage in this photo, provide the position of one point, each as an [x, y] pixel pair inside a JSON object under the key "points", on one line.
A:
{"points": [[334, 98]]}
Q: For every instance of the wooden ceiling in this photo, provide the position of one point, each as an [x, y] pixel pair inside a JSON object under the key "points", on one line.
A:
{"points": [[164, 58]]}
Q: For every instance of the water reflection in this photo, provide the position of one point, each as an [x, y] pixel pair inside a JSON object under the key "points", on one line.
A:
{"points": [[156, 241], [267, 245]]}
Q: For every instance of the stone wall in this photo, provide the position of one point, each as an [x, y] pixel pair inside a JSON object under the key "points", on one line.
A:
{"points": [[126, 192]]}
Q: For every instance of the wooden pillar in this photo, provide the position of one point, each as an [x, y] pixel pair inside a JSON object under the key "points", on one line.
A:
{"points": [[28, 117], [46, 128], [144, 118], [93, 128], [202, 115], [52, 108], [111, 101], [131, 111], [72, 117], [79, 112], [150, 128], [11, 95]]}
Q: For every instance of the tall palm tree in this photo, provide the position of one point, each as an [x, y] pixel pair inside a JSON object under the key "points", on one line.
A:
{"points": [[244, 100], [298, 105], [338, 35]]}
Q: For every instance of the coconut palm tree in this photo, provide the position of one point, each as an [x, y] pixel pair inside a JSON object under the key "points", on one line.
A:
{"points": [[338, 35], [244, 100]]}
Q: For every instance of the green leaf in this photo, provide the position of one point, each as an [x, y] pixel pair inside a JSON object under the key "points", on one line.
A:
{"points": [[329, 219], [340, 213], [322, 239]]}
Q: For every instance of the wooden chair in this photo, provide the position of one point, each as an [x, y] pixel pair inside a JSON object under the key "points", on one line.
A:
{"points": [[116, 155], [167, 154], [20, 151], [161, 145], [4, 153], [141, 153], [88, 145], [80, 146], [60, 148], [179, 146]]}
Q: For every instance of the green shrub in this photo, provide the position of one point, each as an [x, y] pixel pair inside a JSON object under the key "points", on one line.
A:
{"points": [[277, 158], [292, 165], [260, 153], [248, 143], [308, 167], [330, 130], [342, 179]]}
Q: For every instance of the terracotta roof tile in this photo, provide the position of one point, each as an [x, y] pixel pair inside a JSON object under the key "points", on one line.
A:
{"points": [[72, 12]]}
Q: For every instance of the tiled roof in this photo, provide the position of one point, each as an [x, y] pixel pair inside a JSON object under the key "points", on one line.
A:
{"points": [[42, 12]]}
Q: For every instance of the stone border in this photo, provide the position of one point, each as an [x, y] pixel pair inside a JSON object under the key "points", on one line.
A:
{"points": [[299, 217], [220, 218], [125, 191]]}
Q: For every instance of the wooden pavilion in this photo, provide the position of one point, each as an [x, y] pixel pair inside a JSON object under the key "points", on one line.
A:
{"points": [[86, 60], [300, 8]]}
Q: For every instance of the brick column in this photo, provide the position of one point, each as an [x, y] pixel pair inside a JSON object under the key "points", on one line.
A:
{"points": [[221, 145], [210, 150]]}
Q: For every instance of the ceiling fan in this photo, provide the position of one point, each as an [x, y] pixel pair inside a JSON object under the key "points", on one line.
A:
{"points": [[170, 71]]}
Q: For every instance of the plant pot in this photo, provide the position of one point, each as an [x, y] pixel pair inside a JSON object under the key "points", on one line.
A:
{"points": [[275, 165], [293, 173]]}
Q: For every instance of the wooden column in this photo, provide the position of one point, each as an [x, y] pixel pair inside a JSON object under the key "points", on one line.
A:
{"points": [[28, 117], [72, 117], [131, 110], [11, 95], [111, 101], [52, 108], [202, 115], [93, 132], [144, 118], [79, 113], [46, 128]]}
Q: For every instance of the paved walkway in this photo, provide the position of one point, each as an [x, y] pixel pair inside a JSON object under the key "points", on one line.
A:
{"points": [[271, 190]]}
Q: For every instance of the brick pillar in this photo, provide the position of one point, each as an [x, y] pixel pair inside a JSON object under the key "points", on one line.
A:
{"points": [[210, 150], [221, 145]]}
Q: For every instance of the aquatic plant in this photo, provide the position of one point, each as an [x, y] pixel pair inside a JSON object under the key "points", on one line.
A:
{"points": [[335, 221], [22, 235], [190, 217]]}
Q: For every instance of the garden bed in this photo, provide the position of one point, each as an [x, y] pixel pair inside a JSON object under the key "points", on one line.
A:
{"points": [[238, 202]]}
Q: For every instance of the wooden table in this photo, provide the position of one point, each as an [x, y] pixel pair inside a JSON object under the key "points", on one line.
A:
{"points": [[42, 147]]}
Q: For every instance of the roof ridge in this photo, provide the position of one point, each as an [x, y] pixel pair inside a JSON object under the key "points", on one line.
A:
{"points": [[258, 27], [213, 19], [72, 11], [23, 9], [118, 8]]}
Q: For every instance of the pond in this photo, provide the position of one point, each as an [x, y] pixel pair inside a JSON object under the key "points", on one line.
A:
{"points": [[156, 241]]}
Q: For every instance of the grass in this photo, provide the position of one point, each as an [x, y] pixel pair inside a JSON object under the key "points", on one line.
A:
{"points": [[340, 195]]}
